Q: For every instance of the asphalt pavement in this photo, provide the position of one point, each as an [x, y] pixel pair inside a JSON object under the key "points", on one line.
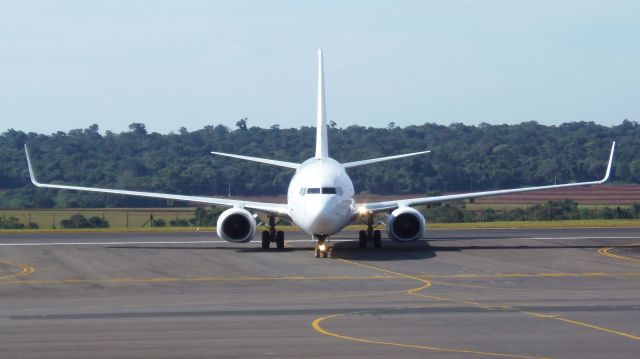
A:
{"points": [[543, 293]]}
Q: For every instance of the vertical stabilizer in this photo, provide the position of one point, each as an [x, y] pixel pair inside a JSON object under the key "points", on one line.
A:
{"points": [[322, 145]]}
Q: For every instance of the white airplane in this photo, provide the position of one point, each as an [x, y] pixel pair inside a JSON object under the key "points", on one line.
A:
{"points": [[320, 198]]}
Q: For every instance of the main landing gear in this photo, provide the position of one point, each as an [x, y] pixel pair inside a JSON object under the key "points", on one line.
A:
{"points": [[323, 249], [369, 235], [272, 236]]}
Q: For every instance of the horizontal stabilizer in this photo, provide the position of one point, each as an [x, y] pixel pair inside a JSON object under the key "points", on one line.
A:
{"points": [[380, 159], [260, 160]]}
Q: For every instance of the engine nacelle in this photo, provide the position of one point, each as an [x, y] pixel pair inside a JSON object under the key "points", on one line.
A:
{"points": [[406, 224], [236, 225]]}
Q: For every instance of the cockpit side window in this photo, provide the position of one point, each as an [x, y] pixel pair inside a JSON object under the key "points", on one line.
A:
{"points": [[313, 190], [328, 190], [303, 190]]}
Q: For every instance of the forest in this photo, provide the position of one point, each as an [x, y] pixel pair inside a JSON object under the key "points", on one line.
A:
{"points": [[463, 158]]}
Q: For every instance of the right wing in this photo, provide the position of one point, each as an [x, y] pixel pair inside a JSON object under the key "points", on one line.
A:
{"points": [[264, 207], [391, 205]]}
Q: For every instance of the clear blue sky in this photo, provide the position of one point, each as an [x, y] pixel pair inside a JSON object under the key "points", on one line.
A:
{"points": [[68, 64]]}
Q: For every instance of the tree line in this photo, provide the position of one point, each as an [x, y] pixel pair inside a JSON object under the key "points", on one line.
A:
{"points": [[463, 158]]}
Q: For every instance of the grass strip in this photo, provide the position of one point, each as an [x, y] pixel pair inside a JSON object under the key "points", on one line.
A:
{"points": [[611, 223]]}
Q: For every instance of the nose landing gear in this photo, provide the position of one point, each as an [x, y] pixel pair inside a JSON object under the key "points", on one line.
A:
{"points": [[272, 236], [323, 249]]}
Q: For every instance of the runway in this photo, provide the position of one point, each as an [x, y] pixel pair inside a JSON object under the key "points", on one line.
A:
{"points": [[544, 293]]}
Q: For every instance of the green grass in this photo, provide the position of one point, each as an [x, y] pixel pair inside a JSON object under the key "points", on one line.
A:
{"points": [[117, 217], [137, 217], [597, 223], [583, 223], [579, 223]]}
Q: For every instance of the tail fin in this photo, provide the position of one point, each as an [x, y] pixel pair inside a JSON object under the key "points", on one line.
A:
{"points": [[322, 145]]}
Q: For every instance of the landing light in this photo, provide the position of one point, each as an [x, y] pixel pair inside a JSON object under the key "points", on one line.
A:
{"points": [[363, 210], [322, 247]]}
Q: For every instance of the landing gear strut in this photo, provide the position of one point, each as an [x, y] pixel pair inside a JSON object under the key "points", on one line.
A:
{"points": [[323, 249], [272, 236], [369, 235]]}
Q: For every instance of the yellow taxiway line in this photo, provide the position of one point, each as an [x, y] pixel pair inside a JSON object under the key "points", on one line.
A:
{"points": [[607, 252], [425, 283], [25, 269], [317, 327]]}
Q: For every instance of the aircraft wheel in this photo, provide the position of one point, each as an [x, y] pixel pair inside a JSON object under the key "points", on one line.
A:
{"points": [[280, 239], [317, 253], [377, 239], [362, 239], [266, 239]]}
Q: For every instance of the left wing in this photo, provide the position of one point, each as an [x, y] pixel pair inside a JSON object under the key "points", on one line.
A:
{"points": [[391, 205], [269, 208]]}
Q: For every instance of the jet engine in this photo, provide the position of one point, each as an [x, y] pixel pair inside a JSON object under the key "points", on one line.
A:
{"points": [[236, 225], [406, 224]]}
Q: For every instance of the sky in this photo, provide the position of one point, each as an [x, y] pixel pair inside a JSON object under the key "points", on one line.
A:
{"points": [[169, 64]]}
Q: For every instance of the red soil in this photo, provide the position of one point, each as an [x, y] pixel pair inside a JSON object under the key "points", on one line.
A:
{"points": [[602, 194]]}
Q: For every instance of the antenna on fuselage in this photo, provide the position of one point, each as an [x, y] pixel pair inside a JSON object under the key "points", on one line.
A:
{"points": [[322, 144]]}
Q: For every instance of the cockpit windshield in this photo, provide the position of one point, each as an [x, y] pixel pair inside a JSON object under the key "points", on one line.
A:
{"points": [[319, 190]]}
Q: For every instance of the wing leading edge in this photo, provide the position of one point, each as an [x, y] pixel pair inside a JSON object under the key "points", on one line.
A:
{"points": [[391, 205], [264, 207]]}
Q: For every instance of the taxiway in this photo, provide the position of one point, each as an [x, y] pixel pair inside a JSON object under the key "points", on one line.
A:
{"points": [[552, 293]]}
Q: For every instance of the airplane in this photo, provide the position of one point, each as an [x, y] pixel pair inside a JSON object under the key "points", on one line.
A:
{"points": [[320, 198]]}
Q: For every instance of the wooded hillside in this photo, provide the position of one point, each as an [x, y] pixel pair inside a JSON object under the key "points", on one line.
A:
{"points": [[463, 158]]}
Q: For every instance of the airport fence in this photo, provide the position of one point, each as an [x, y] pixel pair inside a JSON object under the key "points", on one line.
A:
{"points": [[116, 218], [200, 217], [550, 211]]}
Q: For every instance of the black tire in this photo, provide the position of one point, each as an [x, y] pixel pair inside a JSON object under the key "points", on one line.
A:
{"points": [[280, 239], [317, 252], [362, 239], [266, 239], [377, 239]]}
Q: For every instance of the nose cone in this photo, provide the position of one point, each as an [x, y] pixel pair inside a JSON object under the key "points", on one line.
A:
{"points": [[323, 215]]}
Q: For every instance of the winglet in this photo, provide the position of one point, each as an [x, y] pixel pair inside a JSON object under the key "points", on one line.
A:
{"points": [[33, 177], [606, 175]]}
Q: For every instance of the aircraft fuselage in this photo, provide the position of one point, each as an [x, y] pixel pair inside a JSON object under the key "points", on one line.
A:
{"points": [[321, 197]]}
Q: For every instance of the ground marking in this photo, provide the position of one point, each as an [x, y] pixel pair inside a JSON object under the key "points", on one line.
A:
{"points": [[606, 252], [25, 269], [212, 241], [317, 327], [426, 284], [413, 291]]}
